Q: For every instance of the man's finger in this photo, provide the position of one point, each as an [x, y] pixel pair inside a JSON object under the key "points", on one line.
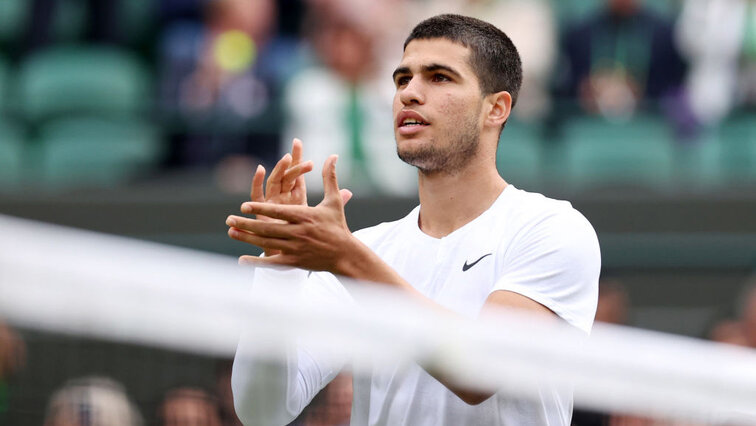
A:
{"points": [[295, 171], [291, 175], [330, 182], [256, 193], [289, 213], [262, 242], [274, 180], [263, 228], [296, 151], [278, 260]]}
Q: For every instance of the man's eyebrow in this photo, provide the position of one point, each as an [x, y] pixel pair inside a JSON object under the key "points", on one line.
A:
{"points": [[440, 67], [399, 71], [426, 69]]}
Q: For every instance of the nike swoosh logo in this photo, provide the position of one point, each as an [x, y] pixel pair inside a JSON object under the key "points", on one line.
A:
{"points": [[466, 266]]}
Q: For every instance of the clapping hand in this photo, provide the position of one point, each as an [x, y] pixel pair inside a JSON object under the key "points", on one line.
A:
{"points": [[315, 238], [284, 186]]}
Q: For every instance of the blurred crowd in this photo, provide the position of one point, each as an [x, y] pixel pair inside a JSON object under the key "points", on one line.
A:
{"points": [[735, 326], [100, 400], [226, 84]]}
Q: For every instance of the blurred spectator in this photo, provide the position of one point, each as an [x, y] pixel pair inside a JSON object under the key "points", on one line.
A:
{"points": [[613, 302], [748, 312], [12, 359], [189, 406], [729, 331], [722, 56], [537, 49], [342, 105], [740, 330], [620, 59], [92, 401], [332, 406], [387, 21], [220, 81], [225, 396]]}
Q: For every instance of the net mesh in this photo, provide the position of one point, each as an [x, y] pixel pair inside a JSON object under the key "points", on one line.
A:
{"points": [[149, 330]]}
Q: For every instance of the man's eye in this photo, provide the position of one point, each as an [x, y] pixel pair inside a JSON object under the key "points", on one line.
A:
{"points": [[401, 81], [440, 77]]}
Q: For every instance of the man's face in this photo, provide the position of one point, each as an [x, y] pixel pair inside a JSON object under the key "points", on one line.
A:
{"points": [[437, 106], [190, 409], [623, 7]]}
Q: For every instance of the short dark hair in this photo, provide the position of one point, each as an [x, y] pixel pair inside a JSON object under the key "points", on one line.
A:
{"points": [[493, 57]]}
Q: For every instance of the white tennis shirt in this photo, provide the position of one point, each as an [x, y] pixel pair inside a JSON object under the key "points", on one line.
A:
{"points": [[525, 243]]}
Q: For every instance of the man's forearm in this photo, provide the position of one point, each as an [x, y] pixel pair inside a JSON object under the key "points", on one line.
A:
{"points": [[262, 389], [274, 390]]}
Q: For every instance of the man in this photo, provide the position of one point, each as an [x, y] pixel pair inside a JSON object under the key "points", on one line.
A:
{"points": [[475, 242], [189, 406], [94, 401], [620, 59]]}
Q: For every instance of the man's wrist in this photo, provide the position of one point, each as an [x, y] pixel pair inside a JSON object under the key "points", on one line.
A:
{"points": [[352, 262], [360, 262]]}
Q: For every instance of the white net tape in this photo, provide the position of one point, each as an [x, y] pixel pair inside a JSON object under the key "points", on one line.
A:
{"points": [[69, 281]]}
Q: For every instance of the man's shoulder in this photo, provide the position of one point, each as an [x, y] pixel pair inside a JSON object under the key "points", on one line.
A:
{"points": [[529, 215], [534, 206], [536, 217]]}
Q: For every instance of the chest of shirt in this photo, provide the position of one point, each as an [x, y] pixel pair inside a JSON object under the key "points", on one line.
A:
{"points": [[459, 274]]}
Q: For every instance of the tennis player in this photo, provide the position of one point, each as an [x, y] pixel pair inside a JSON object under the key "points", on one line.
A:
{"points": [[475, 242]]}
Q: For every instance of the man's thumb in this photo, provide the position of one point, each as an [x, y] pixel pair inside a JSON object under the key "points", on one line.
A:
{"points": [[346, 195], [330, 182]]}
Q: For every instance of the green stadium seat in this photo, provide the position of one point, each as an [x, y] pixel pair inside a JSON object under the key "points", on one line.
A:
{"points": [[14, 15], [699, 162], [135, 19], [94, 151], [518, 157], [82, 79], [69, 21], [11, 154], [737, 137], [636, 154]]}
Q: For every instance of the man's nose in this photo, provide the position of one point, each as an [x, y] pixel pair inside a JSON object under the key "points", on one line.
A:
{"points": [[412, 93]]}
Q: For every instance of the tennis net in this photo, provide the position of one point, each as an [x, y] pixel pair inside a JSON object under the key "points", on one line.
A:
{"points": [[169, 315]]}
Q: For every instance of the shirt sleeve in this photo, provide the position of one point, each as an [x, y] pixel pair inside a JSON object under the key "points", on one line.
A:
{"points": [[273, 390], [556, 262]]}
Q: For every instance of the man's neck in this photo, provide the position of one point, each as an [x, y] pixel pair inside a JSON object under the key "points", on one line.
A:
{"points": [[448, 202]]}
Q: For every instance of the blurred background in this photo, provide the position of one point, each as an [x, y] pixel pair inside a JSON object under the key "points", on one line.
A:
{"points": [[147, 118]]}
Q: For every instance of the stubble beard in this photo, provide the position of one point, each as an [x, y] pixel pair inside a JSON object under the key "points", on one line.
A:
{"points": [[449, 158]]}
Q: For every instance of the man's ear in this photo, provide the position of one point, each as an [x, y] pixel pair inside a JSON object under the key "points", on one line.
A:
{"points": [[500, 108]]}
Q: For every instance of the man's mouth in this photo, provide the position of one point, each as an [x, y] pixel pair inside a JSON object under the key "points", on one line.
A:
{"points": [[408, 122], [409, 119]]}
